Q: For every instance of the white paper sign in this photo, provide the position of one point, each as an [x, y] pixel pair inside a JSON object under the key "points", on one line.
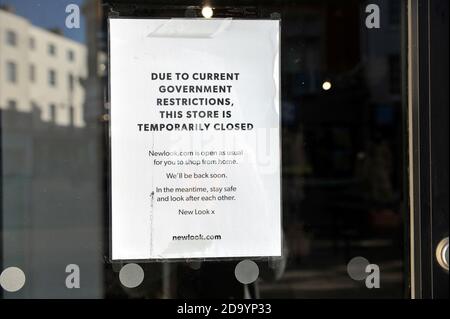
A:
{"points": [[195, 138]]}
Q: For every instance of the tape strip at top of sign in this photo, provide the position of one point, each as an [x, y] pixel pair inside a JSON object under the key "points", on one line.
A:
{"points": [[191, 28]]}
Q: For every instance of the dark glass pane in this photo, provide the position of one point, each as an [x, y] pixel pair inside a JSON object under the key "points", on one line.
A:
{"points": [[345, 192]]}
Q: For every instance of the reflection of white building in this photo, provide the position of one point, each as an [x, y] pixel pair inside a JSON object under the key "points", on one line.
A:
{"points": [[41, 71]]}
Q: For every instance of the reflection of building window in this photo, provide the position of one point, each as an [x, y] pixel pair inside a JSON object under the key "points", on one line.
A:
{"points": [[70, 55], [11, 72], [32, 73], [52, 77], [51, 49], [12, 104], [32, 43], [53, 112], [71, 82], [11, 38], [394, 74]]}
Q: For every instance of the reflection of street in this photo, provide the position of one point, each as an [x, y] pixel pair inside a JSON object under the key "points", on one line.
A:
{"points": [[326, 277], [51, 205]]}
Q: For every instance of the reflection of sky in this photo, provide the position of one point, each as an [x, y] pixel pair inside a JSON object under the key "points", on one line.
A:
{"points": [[49, 14]]}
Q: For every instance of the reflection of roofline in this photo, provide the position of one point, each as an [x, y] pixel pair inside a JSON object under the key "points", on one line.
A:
{"points": [[41, 29], [59, 36], [3, 11]]}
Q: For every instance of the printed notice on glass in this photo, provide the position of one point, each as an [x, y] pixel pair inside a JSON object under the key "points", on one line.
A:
{"points": [[195, 138]]}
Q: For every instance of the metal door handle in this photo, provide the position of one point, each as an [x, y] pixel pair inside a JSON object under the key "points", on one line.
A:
{"points": [[442, 253]]}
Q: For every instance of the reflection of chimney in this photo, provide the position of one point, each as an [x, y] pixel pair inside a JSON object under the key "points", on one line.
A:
{"points": [[8, 8], [56, 30]]}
